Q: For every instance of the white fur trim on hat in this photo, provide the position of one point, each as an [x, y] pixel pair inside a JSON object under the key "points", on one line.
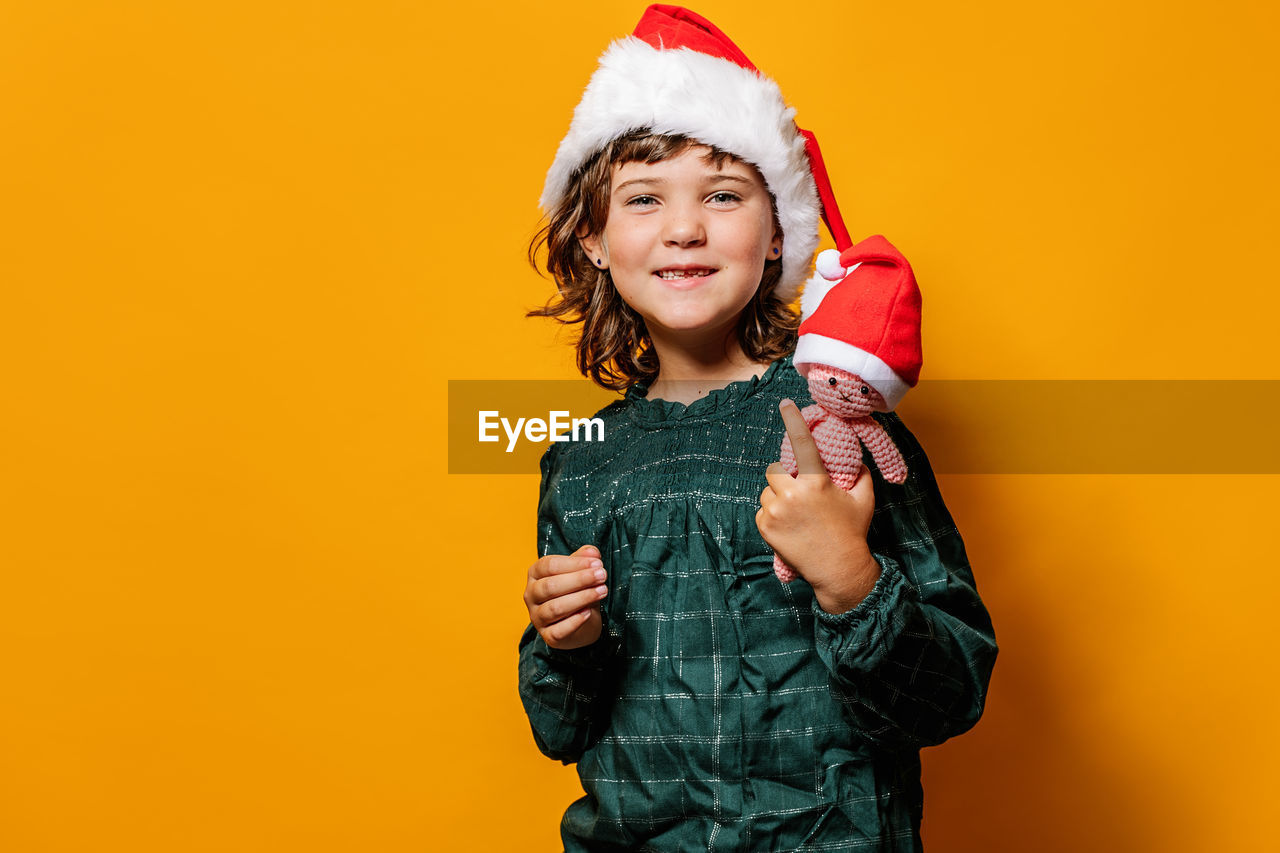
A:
{"points": [[819, 349], [712, 100]]}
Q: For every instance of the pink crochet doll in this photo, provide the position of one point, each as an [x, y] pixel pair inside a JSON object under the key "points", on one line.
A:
{"points": [[859, 348]]}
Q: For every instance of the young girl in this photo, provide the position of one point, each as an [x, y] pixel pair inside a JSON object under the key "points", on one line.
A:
{"points": [[707, 705]]}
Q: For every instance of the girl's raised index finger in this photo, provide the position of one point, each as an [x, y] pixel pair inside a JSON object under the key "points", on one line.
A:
{"points": [[803, 447]]}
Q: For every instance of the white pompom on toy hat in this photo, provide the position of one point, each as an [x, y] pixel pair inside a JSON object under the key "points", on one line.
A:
{"points": [[828, 265]]}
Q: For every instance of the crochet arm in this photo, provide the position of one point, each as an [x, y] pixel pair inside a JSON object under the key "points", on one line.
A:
{"points": [[884, 453], [564, 692], [912, 662], [813, 416]]}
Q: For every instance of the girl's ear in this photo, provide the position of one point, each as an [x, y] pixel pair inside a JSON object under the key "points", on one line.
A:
{"points": [[775, 247], [592, 245]]}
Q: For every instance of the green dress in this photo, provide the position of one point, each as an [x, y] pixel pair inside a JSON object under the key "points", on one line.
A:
{"points": [[722, 709]]}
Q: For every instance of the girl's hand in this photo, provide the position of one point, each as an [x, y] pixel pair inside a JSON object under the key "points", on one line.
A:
{"points": [[819, 529], [563, 596]]}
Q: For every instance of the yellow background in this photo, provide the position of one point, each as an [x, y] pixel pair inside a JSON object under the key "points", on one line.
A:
{"points": [[243, 247]]}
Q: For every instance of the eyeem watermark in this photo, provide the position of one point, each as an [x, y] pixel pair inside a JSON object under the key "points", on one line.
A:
{"points": [[504, 426], [967, 426], [536, 429]]}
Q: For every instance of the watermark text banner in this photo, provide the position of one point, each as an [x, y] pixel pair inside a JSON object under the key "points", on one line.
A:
{"points": [[966, 426]]}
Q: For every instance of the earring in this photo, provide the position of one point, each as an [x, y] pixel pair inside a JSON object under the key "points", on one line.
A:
{"points": [[599, 262], [775, 251]]}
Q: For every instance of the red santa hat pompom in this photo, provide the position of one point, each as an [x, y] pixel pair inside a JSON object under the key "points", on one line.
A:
{"points": [[868, 322]]}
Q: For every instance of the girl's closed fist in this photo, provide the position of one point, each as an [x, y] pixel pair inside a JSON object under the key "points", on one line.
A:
{"points": [[563, 595]]}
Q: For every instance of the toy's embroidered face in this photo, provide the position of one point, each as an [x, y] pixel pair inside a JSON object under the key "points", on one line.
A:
{"points": [[843, 393]]}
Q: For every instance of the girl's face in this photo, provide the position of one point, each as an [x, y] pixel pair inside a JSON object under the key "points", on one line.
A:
{"points": [[686, 241]]}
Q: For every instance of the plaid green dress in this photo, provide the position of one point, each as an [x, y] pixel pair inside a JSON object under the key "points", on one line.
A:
{"points": [[722, 709]]}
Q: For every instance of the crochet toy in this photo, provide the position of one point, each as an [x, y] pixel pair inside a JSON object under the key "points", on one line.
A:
{"points": [[860, 350]]}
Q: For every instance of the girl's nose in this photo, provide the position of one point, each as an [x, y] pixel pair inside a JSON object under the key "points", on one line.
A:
{"points": [[683, 228]]}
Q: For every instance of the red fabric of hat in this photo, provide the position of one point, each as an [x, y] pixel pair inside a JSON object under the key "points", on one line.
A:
{"points": [[672, 27]]}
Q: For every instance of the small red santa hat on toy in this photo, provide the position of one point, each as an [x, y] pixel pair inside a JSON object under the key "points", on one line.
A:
{"points": [[861, 313], [677, 73]]}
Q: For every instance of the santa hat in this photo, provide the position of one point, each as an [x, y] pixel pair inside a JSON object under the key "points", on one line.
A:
{"points": [[678, 74], [867, 322]]}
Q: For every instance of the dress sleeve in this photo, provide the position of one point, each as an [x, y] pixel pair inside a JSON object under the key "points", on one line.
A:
{"points": [[911, 663], [564, 692]]}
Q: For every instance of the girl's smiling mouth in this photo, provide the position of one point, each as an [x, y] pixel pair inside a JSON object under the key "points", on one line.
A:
{"points": [[688, 275]]}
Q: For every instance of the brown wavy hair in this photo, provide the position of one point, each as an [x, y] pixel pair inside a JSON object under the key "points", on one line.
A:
{"points": [[614, 348]]}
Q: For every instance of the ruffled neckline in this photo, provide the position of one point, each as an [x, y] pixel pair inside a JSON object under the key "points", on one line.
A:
{"points": [[659, 412]]}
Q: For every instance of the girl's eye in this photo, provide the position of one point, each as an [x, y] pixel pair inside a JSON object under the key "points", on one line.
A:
{"points": [[642, 201], [725, 198], [832, 381], [865, 390]]}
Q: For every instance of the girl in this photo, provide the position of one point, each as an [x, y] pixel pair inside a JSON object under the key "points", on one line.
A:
{"points": [[707, 705]]}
